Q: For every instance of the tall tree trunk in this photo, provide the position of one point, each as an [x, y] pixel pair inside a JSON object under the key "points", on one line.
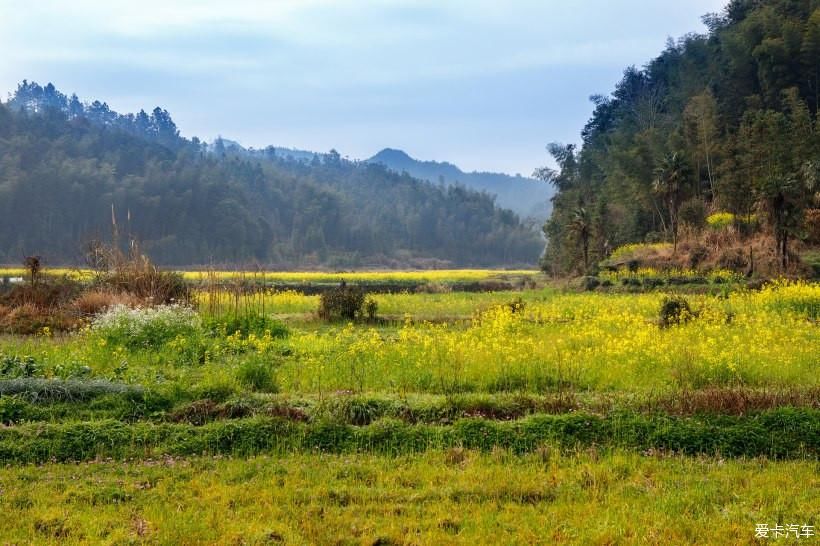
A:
{"points": [[784, 251]]}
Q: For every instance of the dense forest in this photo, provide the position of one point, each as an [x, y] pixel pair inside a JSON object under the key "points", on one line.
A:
{"points": [[724, 122], [70, 170]]}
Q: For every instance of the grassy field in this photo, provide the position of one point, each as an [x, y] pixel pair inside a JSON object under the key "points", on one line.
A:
{"points": [[451, 497], [534, 416]]}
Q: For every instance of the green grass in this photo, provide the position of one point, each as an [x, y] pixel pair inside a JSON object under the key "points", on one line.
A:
{"points": [[440, 497], [780, 433], [509, 417]]}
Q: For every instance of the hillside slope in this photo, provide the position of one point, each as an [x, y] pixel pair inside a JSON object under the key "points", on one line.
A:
{"points": [[725, 124], [64, 165]]}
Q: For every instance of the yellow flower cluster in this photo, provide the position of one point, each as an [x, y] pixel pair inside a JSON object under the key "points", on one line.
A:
{"points": [[236, 343], [633, 248], [581, 341], [386, 276], [715, 275]]}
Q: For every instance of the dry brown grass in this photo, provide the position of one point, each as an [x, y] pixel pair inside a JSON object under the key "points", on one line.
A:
{"points": [[93, 302], [733, 401], [135, 274], [27, 318], [728, 248]]}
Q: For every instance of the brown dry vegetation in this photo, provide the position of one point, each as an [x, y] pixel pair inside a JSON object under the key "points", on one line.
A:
{"points": [[728, 248], [62, 304]]}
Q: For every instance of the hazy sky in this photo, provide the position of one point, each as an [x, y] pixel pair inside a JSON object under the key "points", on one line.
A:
{"points": [[484, 84]]}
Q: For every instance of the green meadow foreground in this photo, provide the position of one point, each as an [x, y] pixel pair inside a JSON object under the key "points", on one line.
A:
{"points": [[530, 416], [464, 497]]}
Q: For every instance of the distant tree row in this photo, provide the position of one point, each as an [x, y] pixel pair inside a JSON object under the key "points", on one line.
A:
{"points": [[723, 121], [65, 166]]}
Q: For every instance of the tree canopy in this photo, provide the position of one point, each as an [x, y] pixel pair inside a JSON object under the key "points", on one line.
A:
{"points": [[723, 121], [65, 165]]}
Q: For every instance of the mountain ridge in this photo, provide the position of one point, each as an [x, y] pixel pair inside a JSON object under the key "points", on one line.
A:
{"points": [[528, 197], [65, 164]]}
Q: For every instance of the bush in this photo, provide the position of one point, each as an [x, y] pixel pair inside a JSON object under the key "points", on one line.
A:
{"points": [[721, 220], [13, 410], [135, 274], [588, 283], [674, 310], [148, 328], [342, 302], [517, 305], [371, 307], [45, 294]]}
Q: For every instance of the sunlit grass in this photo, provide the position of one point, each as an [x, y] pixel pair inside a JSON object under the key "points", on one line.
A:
{"points": [[452, 497]]}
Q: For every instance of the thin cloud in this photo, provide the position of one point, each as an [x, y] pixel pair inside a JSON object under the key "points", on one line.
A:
{"points": [[315, 73]]}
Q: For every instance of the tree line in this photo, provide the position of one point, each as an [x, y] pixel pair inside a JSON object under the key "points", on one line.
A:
{"points": [[725, 121], [68, 170]]}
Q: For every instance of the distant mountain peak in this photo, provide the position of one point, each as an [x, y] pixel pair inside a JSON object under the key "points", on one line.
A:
{"points": [[392, 153], [527, 197]]}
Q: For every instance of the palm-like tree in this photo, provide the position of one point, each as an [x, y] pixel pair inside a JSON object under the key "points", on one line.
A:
{"points": [[670, 177]]}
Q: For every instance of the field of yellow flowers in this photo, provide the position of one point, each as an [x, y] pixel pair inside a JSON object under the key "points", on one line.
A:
{"points": [[570, 341], [531, 416], [308, 277]]}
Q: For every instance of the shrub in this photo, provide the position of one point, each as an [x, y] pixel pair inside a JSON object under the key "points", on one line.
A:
{"points": [[588, 283], [342, 302], [433, 287], [720, 220], [371, 307], [517, 305], [626, 252], [146, 328], [46, 294], [674, 310], [354, 410]]}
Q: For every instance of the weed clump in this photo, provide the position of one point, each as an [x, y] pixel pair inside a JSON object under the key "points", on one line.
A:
{"points": [[246, 324], [257, 375], [134, 274], [19, 366], [674, 310]]}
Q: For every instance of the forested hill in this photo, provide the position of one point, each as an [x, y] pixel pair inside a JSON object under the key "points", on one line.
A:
{"points": [[527, 197], [64, 163], [722, 122]]}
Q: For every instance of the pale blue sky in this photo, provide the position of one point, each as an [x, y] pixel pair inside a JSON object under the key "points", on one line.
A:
{"points": [[484, 84]]}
